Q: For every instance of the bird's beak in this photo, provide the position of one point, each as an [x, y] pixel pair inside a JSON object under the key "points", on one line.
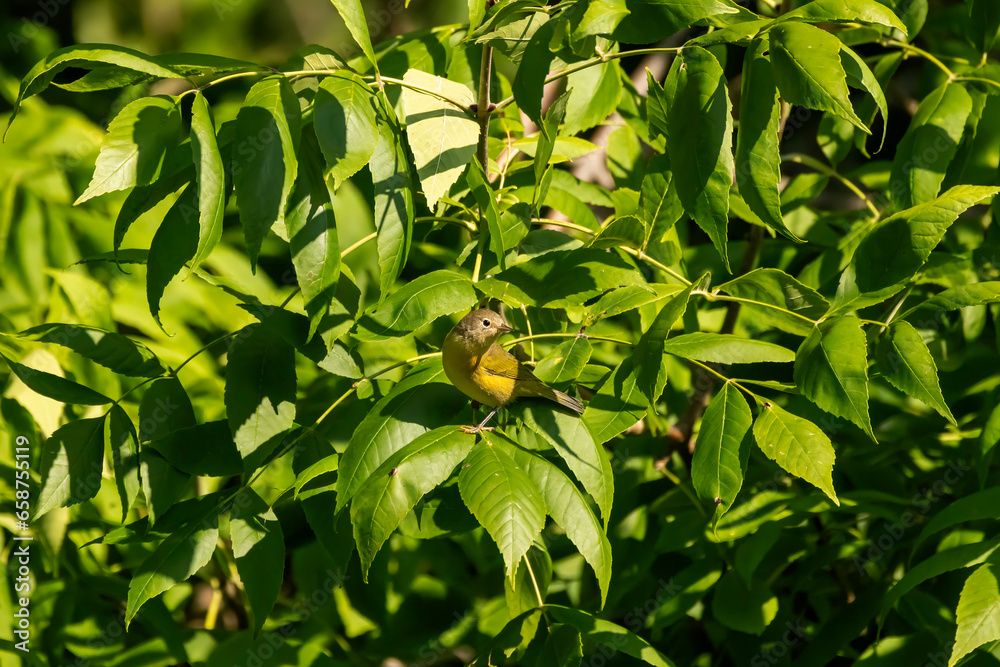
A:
{"points": [[504, 328]]}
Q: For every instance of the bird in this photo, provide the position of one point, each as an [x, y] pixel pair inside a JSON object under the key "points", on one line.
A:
{"points": [[485, 372]]}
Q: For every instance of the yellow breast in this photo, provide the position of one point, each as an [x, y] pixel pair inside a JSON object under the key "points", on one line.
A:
{"points": [[465, 371]]}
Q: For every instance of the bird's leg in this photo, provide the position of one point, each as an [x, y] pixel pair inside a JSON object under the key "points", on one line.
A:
{"points": [[482, 425]]}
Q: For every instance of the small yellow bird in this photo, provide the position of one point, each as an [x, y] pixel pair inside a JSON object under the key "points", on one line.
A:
{"points": [[485, 372]]}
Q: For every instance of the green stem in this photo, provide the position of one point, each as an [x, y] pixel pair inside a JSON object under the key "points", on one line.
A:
{"points": [[357, 244], [722, 297], [685, 490], [923, 54], [444, 218], [534, 582], [605, 339], [596, 60], [978, 79], [813, 163]]}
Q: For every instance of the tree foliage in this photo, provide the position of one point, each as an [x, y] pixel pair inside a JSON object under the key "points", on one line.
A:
{"points": [[776, 294]]}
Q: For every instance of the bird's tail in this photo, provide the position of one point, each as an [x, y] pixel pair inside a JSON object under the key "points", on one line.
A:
{"points": [[562, 399]]}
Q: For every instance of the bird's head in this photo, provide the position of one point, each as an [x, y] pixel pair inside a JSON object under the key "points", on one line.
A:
{"points": [[480, 329]]}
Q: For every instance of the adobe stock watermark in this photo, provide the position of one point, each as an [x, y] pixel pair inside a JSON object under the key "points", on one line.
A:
{"points": [[30, 25], [921, 504], [21, 554]]}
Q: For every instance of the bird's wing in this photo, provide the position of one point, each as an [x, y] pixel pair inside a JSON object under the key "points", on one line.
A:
{"points": [[500, 363]]}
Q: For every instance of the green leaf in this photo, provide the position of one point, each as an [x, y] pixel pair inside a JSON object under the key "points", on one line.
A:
{"points": [[660, 209], [627, 231], [726, 349], [205, 449], [962, 296], [529, 81], [570, 509], [259, 550], [907, 364], [846, 11], [808, 70], [859, 75], [55, 387], [562, 647], [111, 350], [82, 55], [264, 162], [176, 559], [758, 164], [501, 242], [930, 143], [339, 362], [977, 506], [503, 499], [797, 445], [651, 347], [512, 39], [594, 94], [354, 18], [721, 450], [649, 20], [607, 633], [211, 179], [563, 149], [344, 119], [984, 24], [393, 199], [831, 370], [618, 404], [162, 483], [889, 256], [142, 198], [420, 402], [978, 612], [561, 278], [949, 560], [565, 362], [121, 439], [72, 461], [312, 237], [442, 134], [700, 138], [399, 483], [134, 149], [742, 608], [628, 298], [548, 135], [588, 461], [419, 302], [173, 246], [522, 593], [260, 391]]}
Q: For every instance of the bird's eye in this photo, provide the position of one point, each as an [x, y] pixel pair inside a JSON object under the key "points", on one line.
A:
{"points": [[486, 323]]}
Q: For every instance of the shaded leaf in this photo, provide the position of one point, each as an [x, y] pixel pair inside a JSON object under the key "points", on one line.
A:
{"points": [[399, 483], [722, 449], [419, 302], [605, 632], [700, 134], [565, 362], [205, 449], [260, 391], [134, 149], [111, 350], [651, 347], [344, 119], [55, 387], [177, 558], [259, 551], [393, 199], [72, 461], [794, 307], [264, 158], [121, 439]]}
